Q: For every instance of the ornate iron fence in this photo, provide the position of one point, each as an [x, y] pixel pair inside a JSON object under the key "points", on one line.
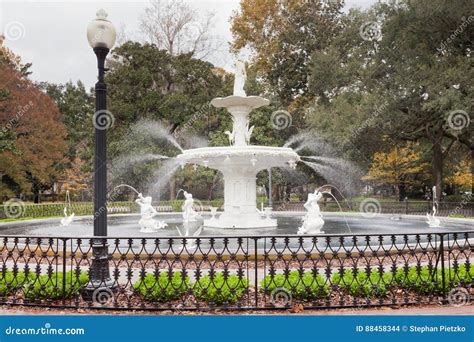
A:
{"points": [[240, 272]]}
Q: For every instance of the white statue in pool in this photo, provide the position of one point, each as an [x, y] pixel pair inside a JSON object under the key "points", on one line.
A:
{"points": [[147, 212], [189, 214], [240, 78], [313, 220], [67, 219], [432, 220]]}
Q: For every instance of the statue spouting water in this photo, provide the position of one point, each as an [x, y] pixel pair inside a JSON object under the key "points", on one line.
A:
{"points": [[67, 219], [313, 220], [192, 222], [147, 223], [432, 220], [189, 214]]}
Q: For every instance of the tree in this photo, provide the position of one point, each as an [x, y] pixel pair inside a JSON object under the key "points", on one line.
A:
{"points": [[418, 96], [462, 175], [399, 69], [31, 158], [283, 34], [176, 27], [76, 106], [400, 167], [74, 178]]}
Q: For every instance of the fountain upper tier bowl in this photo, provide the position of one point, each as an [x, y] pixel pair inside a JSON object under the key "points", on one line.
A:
{"points": [[248, 158]]}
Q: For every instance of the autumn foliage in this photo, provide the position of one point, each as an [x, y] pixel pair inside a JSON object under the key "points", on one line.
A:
{"points": [[33, 137]]}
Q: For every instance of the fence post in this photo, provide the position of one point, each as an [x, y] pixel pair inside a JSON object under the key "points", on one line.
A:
{"points": [[64, 272], [443, 275], [256, 271]]}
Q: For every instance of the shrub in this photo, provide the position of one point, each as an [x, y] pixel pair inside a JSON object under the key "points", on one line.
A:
{"points": [[463, 275], [307, 285], [428, 281], [218, 289], [162, 287], [10, 282], [361, 284], [420, 279], [52, 286]]}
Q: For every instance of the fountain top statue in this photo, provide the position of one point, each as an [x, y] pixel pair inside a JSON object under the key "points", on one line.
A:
{"points": [[240, 162], [240, 78]]}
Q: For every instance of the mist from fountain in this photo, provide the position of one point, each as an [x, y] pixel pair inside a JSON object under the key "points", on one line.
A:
{"points": [[324, 161], [342, 178], [163, 175], [155, 130], [308, 141]]}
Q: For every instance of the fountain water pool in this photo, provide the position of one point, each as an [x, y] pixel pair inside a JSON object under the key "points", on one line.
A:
{"points": [[125, 225]]}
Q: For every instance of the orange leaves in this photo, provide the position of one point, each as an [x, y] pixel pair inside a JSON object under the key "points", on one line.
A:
{"points": [[397, 166], [29, 119]]}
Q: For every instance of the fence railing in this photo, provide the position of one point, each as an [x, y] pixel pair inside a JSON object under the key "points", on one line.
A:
{"points": [[462, 209], [239, 272]]}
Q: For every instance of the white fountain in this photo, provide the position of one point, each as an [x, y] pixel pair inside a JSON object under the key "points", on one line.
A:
{"points": [[240, 162]]}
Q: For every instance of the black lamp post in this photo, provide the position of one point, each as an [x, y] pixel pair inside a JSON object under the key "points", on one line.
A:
{"points": [[101, 36]]}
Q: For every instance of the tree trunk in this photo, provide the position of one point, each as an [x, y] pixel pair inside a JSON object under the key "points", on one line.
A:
{"points": [[172, 189], [401, 192], [36, 197], [276, 192], [438, 168], [472, 170]]}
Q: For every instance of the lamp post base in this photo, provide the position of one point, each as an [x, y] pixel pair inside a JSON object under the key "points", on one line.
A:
{"points": [[101, 288]]}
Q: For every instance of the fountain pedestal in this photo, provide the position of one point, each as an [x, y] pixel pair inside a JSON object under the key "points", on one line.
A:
{"points": [[240, 198]]}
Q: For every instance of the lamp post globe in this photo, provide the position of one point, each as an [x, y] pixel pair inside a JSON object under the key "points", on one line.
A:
{"points": [[101, 35]]}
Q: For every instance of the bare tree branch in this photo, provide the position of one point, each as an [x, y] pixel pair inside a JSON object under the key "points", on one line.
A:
{"points": [[175, 26]]}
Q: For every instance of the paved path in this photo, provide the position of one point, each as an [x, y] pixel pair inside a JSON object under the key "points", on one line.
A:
{"points": [[383, 311]]}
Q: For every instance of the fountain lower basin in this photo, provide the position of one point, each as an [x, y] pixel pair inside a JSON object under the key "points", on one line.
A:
{"points": [[239, 166]]}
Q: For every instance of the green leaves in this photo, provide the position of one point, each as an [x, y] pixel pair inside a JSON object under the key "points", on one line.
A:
{"points": [[11, 281], [307, 285], [55, 285], [219, 288], [216, 288], [162, 287], [359, 283]]}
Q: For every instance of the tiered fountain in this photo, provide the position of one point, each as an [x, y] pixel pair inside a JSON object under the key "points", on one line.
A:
{"points": [[240, 162]]}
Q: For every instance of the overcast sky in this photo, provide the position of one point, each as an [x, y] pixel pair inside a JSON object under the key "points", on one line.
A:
{"points": [[51, 34]]}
